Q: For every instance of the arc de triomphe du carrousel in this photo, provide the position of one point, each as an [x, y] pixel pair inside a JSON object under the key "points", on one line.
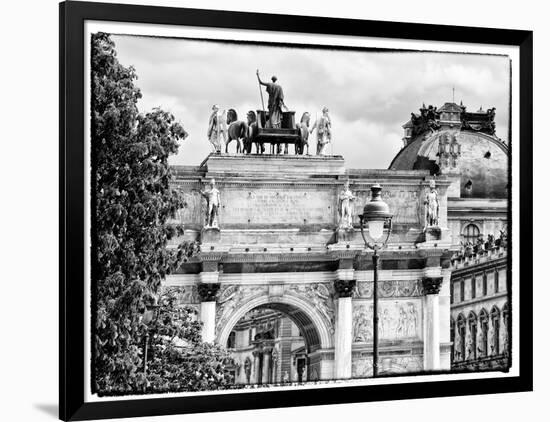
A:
{"points": [[272, 236]]}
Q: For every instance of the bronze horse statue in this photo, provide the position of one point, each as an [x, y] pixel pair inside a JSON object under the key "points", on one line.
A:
{"points": [[251, 134], [236, 130]]}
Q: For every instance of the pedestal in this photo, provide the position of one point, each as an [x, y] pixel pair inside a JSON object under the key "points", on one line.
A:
{"points": [[210, 235]]}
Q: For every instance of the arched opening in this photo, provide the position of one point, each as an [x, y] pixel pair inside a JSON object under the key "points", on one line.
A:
{"points": [[275, 342], [471, 234]]}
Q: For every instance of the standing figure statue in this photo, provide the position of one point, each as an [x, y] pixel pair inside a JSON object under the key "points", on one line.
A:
{"points": [[303, 127], [345, 207], [212, 205], [275, 102], [216, 129], [432, 206], [324, 132]]}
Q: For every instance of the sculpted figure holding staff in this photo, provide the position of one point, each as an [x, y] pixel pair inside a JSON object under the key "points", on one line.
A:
{"points": [[275, 102]]}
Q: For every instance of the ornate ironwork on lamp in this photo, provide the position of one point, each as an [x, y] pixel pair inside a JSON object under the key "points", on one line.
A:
{"points": [[375, 218]]}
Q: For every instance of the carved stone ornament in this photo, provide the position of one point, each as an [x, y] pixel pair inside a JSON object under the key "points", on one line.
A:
{"points": [[208, 291], [344, 288], [390, 288], [432, 285]]}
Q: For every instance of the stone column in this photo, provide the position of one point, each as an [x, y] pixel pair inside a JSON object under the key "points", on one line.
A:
{"points": [[431, 285], [207, 293], [266, 371], [344, 327], [257, 357]]}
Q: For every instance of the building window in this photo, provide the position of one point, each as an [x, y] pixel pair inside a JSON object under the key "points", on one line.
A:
{"points": [[473, 291], [462, 290], [472, 346], [452, 293], [231, 340], [495, 319], [470, 233], [484, 326], [496, 281], [484, 286]]}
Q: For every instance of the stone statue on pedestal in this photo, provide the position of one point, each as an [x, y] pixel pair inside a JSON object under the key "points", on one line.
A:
{"points": [[345, 207], [275, 103], [216, 129], [324, 132], [212, 205], [432, 206]]}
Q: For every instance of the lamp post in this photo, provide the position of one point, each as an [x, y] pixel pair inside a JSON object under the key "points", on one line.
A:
{"points": [[149, 317], [376, 215]]}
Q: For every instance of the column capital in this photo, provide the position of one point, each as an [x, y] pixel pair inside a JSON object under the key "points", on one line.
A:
{"points": [[432, 285], [208, 291], [344, 288]]}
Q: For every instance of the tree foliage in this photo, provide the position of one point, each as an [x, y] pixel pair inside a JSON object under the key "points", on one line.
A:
{"points": [[132, 203]]}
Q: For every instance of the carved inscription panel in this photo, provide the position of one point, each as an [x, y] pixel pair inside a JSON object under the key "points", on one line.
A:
{"points": [[277, 205], [406, 203]]}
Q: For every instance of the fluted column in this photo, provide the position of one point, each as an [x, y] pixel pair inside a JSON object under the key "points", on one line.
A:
{"points": [[431, 285], [344, 327], [207, 293]]}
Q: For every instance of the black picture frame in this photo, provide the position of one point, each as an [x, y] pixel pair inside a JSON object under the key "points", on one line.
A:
{"points": [[72, 361]]}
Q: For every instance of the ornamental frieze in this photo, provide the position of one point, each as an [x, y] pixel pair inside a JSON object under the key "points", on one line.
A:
{"points": [[320, 295], [392, 288], [232, 297]]}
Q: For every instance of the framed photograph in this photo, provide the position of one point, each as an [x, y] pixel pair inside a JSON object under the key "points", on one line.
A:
{"points": [[271, 210]]}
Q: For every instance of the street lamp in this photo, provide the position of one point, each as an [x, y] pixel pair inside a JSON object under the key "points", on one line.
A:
{"points": [[149, 317], [376, 215]]}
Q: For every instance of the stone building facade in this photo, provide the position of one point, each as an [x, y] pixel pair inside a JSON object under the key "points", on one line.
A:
{"points": [[450, 141], [278, 245], [480, 315]]}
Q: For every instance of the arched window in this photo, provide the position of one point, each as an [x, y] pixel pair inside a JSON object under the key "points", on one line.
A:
{"points": [[462, 290], [231, 340], [484, 285], [470, 233], [496, 281], [495, 320], [472, 326], [473, 288], [460, 351], [484, 334]]}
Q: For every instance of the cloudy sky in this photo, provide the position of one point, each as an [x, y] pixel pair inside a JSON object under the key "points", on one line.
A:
{"points": [[370, 94]]}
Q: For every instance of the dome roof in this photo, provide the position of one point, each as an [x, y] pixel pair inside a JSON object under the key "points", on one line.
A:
{"points": [[482, 162]]}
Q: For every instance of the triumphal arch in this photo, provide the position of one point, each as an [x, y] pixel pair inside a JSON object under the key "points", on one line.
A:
{"points": [[274, 235]]}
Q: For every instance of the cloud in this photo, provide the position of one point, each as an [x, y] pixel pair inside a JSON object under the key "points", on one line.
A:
{"points": [[370, 94]]}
